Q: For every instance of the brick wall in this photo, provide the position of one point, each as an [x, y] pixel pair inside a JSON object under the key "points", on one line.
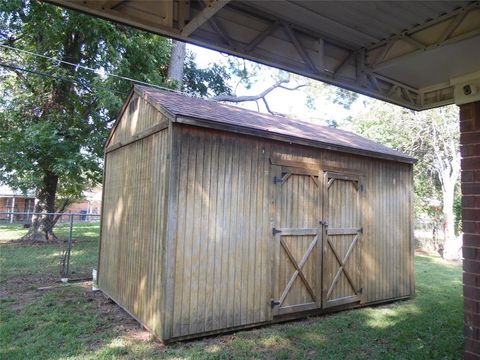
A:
{"points": [[21, 205], [470, 150]]}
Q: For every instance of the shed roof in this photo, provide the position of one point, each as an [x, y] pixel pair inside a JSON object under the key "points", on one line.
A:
{"points": [[212, 114]]}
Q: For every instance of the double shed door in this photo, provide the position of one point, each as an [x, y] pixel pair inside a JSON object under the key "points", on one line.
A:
{"points": [[317, 233]]}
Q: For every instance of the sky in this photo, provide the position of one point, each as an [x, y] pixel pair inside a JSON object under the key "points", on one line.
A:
{"points": [[291, 103]]}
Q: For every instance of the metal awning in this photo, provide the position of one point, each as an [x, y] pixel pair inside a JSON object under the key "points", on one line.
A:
{"points": [[417, 54]]}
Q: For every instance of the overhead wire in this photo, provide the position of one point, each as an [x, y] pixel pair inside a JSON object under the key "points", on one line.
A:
{"points": [[36, 72], [40, 73], [96, 71]]}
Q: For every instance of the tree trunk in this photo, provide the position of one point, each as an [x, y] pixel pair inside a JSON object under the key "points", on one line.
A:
{"points": [[42, 225], [452, 246], [177, 60]]}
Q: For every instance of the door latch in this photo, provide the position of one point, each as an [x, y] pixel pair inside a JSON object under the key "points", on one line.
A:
{"points": [[277, 180], [274, 303], [323, 223]]}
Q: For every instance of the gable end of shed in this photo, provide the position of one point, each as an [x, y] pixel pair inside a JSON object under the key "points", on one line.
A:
{"points": [[138, 118]]}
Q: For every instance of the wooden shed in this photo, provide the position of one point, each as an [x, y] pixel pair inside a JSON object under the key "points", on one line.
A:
{"points": [[218, 218]]}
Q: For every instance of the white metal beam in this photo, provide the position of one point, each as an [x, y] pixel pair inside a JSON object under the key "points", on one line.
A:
{"points": [[298, 46], [211, 8], [454, 21], [251, 29], [262, 36]]}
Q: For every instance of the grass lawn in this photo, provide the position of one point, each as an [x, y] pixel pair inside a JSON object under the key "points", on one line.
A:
{"points": [[71, 322], [19, 260]]}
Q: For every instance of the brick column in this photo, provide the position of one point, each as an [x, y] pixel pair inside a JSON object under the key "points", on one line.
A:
{"points": [[470, 150]]}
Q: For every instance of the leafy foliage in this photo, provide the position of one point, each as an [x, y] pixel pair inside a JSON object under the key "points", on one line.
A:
{"points": [[205, 82], [343, 97], [430, 136], [55, 117]]}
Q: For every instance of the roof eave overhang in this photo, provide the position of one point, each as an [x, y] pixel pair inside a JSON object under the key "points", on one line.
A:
{"points": [[368, 69], [188, 120]]}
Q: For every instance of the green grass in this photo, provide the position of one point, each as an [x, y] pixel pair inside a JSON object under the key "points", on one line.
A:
{"points": [[71, 323], [21, 260]]}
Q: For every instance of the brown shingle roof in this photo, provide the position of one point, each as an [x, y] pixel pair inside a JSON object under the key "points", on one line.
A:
{"points": [[217, 114]]}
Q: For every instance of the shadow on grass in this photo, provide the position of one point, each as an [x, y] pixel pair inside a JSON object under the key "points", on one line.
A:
{"points": [[428, 326]]}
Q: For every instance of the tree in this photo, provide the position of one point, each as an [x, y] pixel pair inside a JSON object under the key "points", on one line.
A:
{"points": [[55, 114], [430, 136], [177, 64], [441, 129], [205, 82]]}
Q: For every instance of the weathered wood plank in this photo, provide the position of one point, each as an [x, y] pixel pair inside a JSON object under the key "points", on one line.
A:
{"points": [[219, 257], [141, 135], [297, 231], [128, 220], [343, 231]]}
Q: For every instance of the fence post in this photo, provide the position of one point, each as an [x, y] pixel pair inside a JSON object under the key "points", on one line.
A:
{"points": [[12, 216], [69, 246]]}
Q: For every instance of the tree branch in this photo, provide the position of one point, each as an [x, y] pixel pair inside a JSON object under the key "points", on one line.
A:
{"points": [[294, 88], [260, 96], [67, 201], [269, 110]]}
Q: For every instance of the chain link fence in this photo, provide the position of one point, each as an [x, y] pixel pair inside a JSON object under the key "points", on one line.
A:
{"points": [[72, 237], [429, 233]]}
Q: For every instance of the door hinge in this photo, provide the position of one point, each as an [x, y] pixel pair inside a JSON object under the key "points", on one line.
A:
{"points": [[360, 291], [274, 303], [360, 230], [275, 231], [277, 180]]}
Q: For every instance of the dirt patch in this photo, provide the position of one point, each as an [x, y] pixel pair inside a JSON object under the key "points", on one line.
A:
{"points": [[120, 322], [24, 288], [127, 328], [420, 251]]}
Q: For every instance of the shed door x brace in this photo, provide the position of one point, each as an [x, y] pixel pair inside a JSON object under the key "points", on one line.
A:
{"points": [[316, 262]]}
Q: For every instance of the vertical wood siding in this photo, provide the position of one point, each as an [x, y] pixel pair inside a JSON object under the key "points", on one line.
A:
{"points": [[297, 208], [387, 239], [223, 237], [130, 266], [343, 202], [223, 204], [222, 257], [138, 116]]}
